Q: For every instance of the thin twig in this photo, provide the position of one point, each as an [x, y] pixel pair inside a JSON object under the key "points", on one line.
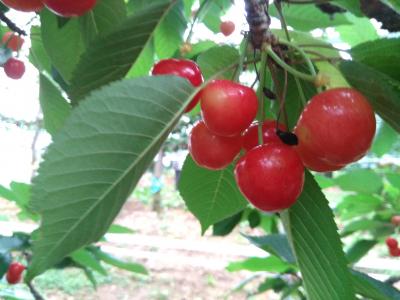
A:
{"points": [[11, 24], [34, 292]]}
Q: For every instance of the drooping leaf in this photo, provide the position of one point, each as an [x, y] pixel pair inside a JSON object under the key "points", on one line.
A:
{"points": [[360, 181], [86, 259], [275, 244], [97, 159], [37, 54], [360, 225], [308, 17], [225, 227], [256, 264], [108, 14], [382, 91], [313, 236], [385, 139], [359, 249], [110, 57], [211, 196], [357, 205], [54, 106], [372, 288]]}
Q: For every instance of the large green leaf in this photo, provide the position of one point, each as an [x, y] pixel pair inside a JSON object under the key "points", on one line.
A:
{"points": [[110, 57], [37, 54], [313, 235], [276, 244], [97, 159], [372, 288], [211, 196], [308, 17], [143, 63], [217, 59], [352, 5], [86, 259], [54, 106], [385, 139], [381, 55], [359, 249], [382, 91], [360, 181], [108, 14], [357, 205], [359, 32], [63, 43], [169, 34]]}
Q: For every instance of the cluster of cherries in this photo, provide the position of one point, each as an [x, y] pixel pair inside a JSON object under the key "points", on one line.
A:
{"points": [[14, 68], [391, 243], [14, 272], [336, 128], [64, 8]]}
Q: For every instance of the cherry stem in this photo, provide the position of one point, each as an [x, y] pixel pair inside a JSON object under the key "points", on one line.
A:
{"points": [[242, 58], [303, 54], [11, 24], [260, 94], [287, 67], [195, 18]]}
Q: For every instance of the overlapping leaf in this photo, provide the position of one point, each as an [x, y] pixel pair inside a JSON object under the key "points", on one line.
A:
{"points": [[97, 159]]}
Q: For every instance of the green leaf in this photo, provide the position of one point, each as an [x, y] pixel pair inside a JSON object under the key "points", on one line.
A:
{"points": [[111, 260], [97, 159], [382, 91], [360, 181], [380, 54], [7, 194], [54, 106], [143, 63], [357, 205], [108, 14], [359, 32], [324, 181], [86, 259], [313, 236], [110, 57], [372, 288], [275, 244], [212, 12], [5, 261], [351, 5], [256, 264], [199, 48], [169, 34], [211, 196], [115, 228], [37, 54], [359, 249], [385, 139], [361, 225], [308, 17], [225, 227], [63, 45], [216, 59]]}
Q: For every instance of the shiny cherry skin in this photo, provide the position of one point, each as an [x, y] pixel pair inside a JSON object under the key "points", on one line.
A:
{"points": [[395, 220], [24, 5], [395, 252], [250, 136], [14, 272], [270, 176], [70, 8], [391, 242], [13, 41], [227, 28], [336, 128], [227, 107], [212, 151], [14, 68], [184, 68]]}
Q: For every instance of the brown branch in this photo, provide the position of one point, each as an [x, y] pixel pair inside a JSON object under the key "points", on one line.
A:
{"points": [[11, 24]]}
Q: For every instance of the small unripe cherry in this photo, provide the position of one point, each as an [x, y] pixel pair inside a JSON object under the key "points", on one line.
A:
{"points": [[227, 28], [395, 220], [13, 41], [14, 272], [250, 136], [212, 151], [14, 68], [391, 242]]}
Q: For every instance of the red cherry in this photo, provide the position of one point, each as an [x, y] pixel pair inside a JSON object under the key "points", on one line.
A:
{"points": [[13, 41], [227, 107], [336, 128], [227, 28], [212, 151], [24, 5], [391, 242], [395, 252], [69, 8], [250, 136], [14, 68], [395, 220], [270, 176], [14, 272], [183, 68]]}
